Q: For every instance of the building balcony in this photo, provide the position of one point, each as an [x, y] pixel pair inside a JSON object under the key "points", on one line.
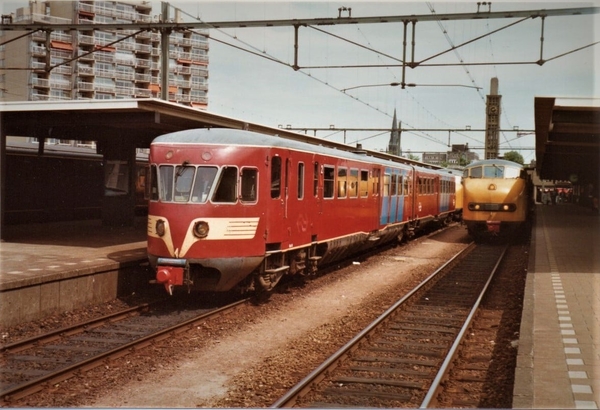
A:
{"points": [[143, 18], [85, 55], [143, 92], [60, 85], [200, 58], [39, 97], [200, 87], [199, 44], [40, 82], [85, 39], [88, 8], [182, 98], [58, 36], [199, 100], [143, 48], [142, 78], [38, 36], [38, 51], [85, 70], [103, 88], [119, 59], [63, 69], [38, 66], [105, 73], [144, 35], [65, 55], [185, 70], [199, 71], [143, 63], [104, 57], [128, 91], [83, 86], [126, 45], [122, 75]]}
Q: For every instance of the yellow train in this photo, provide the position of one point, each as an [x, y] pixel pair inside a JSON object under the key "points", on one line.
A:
{"points": [[496, 198]]}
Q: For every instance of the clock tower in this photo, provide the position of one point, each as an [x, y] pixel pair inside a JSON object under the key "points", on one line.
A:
{"points": [[492, 122]]}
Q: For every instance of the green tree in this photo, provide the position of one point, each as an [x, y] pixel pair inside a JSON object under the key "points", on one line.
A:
{"points": [[514, 156]]}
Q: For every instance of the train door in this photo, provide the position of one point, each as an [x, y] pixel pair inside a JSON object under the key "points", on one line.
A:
{"points": [[386, 200], [444, 194], [401, 179], [278, 232], [410, 193]]}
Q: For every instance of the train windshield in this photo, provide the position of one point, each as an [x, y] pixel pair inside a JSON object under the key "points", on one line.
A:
{"points": [[493, 171], [184, 182]]}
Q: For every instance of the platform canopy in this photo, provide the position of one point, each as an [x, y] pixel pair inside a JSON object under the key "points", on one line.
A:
{"points": [[137, 120], [567, 138]]}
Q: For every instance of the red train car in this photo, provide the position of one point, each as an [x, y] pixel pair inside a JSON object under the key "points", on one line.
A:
{"points": [[231, 208]]}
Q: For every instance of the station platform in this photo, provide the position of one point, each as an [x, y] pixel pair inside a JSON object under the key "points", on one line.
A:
{"points": [[558, 364], [56, 267]]}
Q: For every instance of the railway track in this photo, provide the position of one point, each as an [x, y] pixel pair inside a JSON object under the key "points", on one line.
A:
{"points": [[401, 359], [34, 364]]}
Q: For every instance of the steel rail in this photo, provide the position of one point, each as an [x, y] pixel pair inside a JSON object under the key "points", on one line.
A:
{"points": [[287, 399], [35, 385], [436, 384], [74, 329]]}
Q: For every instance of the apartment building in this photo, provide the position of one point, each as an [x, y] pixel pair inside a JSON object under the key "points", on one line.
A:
{"points": [[97, 63]]}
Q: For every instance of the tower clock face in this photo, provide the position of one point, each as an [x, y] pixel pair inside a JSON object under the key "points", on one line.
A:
{"points": [[493, 109]]}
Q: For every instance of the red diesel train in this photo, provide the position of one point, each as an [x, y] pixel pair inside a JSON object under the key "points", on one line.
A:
{"points": [[231, 208]]}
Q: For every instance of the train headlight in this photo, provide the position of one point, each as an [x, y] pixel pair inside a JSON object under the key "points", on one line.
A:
{"points": [[201, 229], [160, 227], [477, 207], [505, 207]]}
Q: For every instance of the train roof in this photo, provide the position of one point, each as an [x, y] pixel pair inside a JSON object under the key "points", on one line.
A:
{"points": [[225, 136], [496, 161]]}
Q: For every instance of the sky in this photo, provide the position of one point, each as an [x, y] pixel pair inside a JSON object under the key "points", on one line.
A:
{"points": [[245, 85]]}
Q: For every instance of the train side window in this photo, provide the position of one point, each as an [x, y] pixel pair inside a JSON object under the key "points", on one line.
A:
{"points": [[376, 183], [394, 187], [226, 190], [316, 179], [512, 172], [364, 183], [275, 177], [476, 172], [166, 183], [328, 181], [407, 186], [153, 184], [400, 184], [300, 180], [249, 177], [386, 184], [342, 182], [205, 177], [353, 183]]}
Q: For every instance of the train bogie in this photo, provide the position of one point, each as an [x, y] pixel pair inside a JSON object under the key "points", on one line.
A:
{"points": [[232, 208]]}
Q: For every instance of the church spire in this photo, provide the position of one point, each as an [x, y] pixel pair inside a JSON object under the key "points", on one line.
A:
{"points": [[394, 144]]}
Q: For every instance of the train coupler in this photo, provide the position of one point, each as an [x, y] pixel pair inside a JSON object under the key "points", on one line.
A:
{"points": [[493, 227], [171, 273]]}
